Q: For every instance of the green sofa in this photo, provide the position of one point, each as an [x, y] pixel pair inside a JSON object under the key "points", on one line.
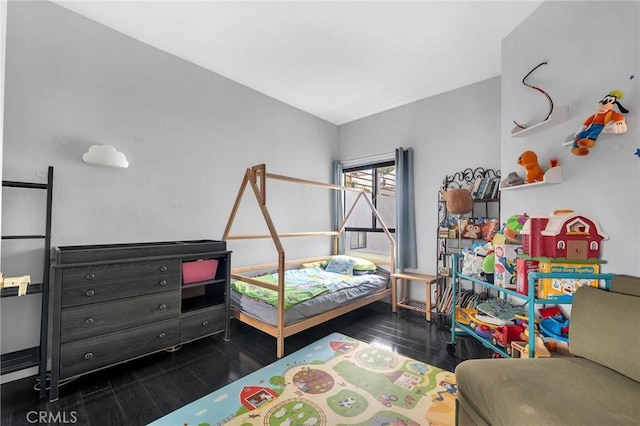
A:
{"points": [[599, 386]]}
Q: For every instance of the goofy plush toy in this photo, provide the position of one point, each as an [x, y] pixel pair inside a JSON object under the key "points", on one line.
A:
{"points": [[606, 119]]}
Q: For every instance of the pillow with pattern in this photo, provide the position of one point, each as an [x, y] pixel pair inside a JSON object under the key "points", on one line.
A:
{"points": [[340, 265], [359, 264]]}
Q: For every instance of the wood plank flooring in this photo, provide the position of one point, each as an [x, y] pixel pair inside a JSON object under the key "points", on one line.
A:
{"points": [[143, 390]]}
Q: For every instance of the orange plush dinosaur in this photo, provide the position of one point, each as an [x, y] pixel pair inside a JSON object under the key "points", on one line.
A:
{"points": [[529, 160]]}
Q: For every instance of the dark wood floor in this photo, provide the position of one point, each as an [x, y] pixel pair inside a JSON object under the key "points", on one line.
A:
{"points": [[143, 390]]}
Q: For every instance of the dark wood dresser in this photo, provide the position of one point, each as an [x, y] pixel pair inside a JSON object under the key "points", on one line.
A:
{"points": [[113, 303]]}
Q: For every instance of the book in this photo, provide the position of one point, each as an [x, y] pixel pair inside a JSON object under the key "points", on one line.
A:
{"points": [[474, 190]]}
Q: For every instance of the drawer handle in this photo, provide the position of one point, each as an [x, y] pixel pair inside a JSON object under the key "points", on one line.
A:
{"points": [[163, 268], [163, 307], [91, 276], [88, 321], [163, 282], [90, 293], [88, 355], [162, 335], [205, 323]]}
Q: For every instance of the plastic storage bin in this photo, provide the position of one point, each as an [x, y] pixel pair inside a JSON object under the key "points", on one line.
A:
{"points": [[199, 270]]}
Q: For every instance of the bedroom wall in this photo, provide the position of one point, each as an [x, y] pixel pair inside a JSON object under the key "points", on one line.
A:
{"points": [[592, 48], [448, 133], [471, 126], [188, 133]]}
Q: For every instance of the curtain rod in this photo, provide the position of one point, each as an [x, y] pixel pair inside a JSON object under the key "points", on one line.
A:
{"points": [[387, 156]]}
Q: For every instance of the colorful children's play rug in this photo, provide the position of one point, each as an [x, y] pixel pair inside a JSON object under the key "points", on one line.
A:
{"points": [[335, 381]]}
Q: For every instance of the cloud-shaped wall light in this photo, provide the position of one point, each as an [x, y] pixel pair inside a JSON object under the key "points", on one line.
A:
{"points": [[106, 156]]}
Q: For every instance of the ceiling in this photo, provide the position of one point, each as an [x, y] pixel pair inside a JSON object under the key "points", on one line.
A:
{"points": [[339, 60]]}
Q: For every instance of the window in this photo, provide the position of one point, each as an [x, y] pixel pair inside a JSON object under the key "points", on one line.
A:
{"points": [[364, 231]]}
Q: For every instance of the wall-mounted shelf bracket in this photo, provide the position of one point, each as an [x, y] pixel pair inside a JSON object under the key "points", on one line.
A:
{"points": [[553, 175], [559, 115]]}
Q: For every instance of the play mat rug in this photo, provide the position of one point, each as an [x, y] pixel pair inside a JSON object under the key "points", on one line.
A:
{"points": [[335, 381]]}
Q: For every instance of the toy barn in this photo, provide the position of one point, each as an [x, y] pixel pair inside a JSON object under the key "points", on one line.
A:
{"points": [[562, 234]]}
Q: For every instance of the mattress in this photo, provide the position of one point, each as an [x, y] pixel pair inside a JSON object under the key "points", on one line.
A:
{"points": [[353, 289]]}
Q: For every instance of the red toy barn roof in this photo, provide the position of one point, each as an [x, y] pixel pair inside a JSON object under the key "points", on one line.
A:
{"points": [[557, 221]]}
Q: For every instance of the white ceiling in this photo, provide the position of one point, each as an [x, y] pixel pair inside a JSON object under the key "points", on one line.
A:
{"points": [[339, 60]]}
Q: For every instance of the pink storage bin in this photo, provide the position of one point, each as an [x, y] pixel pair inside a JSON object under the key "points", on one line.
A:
{"points": [[199, 270]]}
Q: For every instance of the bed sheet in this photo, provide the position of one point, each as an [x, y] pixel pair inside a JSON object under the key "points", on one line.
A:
{"points": [[348, 289]]}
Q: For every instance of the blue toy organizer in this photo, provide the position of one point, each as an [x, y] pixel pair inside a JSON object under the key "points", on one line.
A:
{"points": [[530, 300]]}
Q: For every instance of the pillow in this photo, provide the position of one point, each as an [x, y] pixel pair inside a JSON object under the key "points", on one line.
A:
{"points": [[359, 264], [318, 264], [340, 265]]}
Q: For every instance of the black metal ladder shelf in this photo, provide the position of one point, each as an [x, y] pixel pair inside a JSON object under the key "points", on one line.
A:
{"points": [[35, 356]]}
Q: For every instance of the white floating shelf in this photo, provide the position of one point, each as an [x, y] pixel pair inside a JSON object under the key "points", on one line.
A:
{"points": [[553, 175], [559, 115]]}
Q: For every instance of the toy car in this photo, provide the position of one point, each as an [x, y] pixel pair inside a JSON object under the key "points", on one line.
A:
{"points": [[504, 334]]}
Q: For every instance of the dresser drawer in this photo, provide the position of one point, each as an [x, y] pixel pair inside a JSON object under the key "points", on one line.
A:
{"points": [[202, 323], [80, 322], [91, 354], [94, 292], [119, 271]]}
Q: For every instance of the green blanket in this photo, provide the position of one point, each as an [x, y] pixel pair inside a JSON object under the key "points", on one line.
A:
{"points": [[300, 285]]}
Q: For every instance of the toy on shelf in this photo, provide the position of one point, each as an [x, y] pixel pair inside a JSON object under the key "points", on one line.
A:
{"points": [[458, 201], [488, 266], [605, 120], [503, 335], [562, 234], [464, 315], [513, 227], [21, 282], [529, 160], [556, 327], [483, 331], [472, 230], [540, 348], [512, 179]]}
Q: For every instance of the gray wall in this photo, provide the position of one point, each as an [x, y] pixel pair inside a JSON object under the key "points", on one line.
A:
{"points": [[188, 134], [584, 64], [448, 133], [471, 126]]}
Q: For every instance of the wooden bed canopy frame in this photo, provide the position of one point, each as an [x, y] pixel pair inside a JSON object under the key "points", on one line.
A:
{"points": [[256, 177]]}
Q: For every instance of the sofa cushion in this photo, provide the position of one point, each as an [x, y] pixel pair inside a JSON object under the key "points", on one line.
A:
{"points": [[605, 328], [626, 284], [546, 391]]}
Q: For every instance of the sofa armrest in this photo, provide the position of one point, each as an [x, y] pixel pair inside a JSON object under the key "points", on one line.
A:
{"points": [[605, 328]]}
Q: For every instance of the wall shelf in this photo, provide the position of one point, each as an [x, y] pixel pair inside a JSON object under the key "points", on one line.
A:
{"points": [[559, 115], [553, 175]]}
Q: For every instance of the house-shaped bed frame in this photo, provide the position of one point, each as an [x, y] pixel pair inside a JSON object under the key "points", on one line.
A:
{"points": [[256, 177]]}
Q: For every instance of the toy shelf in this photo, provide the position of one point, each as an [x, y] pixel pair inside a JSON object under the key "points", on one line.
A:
{"points": [[551, 176], [530, 301], [559, 115]]}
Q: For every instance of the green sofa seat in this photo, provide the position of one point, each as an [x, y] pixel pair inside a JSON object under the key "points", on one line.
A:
{"points": [[599, 386]]}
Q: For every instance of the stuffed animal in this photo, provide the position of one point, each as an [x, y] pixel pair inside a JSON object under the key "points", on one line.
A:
{"points": [[529, 160], [472, 230], [513, 179], [458, 201], [604, 120]]}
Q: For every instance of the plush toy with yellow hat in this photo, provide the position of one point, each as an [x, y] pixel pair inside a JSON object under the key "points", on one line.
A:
{"points": [[604, 120]]}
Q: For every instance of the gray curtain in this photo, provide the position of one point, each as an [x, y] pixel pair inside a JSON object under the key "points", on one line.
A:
{"points": [[406, 246], [337, 203]]}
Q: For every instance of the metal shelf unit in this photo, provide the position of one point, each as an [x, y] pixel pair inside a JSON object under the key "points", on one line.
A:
{"points": [[530, 300], [35, 356], [483, 207]]}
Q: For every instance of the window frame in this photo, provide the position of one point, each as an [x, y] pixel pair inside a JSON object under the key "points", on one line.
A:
{"points": [[374, 167]]}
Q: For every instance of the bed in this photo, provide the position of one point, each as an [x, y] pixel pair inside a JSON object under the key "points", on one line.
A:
{"points": [[287, 297]]}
